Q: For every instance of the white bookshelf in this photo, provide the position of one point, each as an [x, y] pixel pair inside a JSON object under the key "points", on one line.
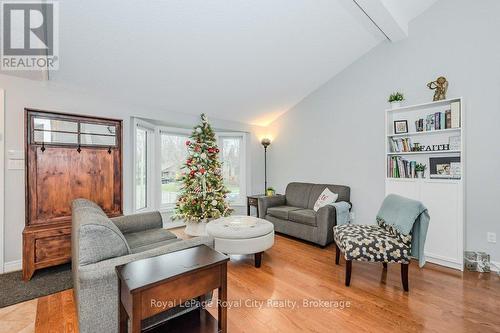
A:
{"points": [[444, 198]]}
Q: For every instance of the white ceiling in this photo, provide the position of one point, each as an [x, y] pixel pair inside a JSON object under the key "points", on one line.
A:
{"points": [[242, 60]]}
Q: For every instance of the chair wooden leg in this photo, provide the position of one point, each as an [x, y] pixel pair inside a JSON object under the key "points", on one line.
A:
{"points": [[348, 269], [404, 276], [385, 265], [337, 254]]}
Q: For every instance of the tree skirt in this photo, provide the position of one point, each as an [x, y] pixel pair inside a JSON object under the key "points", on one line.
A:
{"points": [[45, 282]]}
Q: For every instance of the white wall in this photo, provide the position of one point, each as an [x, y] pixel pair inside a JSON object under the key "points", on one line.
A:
{"points": [[336, 134], [21, 93]]}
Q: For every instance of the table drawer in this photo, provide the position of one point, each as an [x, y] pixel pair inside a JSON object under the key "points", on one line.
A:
{"points": [[180, 290], [253, 201], [51, 248]]}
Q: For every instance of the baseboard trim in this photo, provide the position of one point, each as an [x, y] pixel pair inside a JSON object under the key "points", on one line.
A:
{"points": [[444, 262], [495, 267], [13, 266]]}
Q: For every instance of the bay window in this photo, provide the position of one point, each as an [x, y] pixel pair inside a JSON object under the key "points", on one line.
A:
{"points": [[232, 154], [143, 152], [173, 152], [160, 152]]}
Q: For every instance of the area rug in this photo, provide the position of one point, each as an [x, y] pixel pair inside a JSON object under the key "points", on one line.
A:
{"points": [[45, 282]]}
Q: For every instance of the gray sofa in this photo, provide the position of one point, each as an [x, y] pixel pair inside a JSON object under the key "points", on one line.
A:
{"points": [[99, 244], [292, 214]]}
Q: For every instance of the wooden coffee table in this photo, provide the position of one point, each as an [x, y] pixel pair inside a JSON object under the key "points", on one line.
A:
{"points": [[172, 279]]}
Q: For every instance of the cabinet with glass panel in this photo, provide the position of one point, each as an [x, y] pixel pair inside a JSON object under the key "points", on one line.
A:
{"points": [[72, 131], [67, 157]]}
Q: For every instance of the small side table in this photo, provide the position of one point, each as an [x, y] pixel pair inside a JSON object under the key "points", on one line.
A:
{"points": [[171, 279], [253, 200]]}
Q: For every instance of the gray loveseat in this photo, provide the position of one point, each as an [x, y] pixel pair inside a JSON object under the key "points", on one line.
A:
{"points": [[292, 214], [99, 244]]}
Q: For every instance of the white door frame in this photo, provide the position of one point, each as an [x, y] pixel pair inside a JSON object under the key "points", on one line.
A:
{"points": [[2, 180]]}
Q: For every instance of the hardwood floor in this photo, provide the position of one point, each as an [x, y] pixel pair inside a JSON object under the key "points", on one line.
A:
{"points": [[56, 313], [439, 300], [18, 318]]}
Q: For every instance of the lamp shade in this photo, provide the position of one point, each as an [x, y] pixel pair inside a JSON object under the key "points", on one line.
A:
{"points": [[265, 142]]}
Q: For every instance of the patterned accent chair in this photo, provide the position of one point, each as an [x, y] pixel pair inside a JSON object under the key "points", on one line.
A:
{"points": [[373, 243]]}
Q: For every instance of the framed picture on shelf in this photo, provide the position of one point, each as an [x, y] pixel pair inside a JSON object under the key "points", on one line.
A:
{"points": [[445, 167], [400, 126]]}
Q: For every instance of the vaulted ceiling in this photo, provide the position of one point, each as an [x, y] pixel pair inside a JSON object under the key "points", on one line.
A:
{"points": [[242, 60]]}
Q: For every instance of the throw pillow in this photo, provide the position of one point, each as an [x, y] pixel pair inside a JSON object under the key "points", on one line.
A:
{"points": [[325, 198]]}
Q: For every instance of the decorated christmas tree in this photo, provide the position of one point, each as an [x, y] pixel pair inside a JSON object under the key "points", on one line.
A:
{"points": [[203, 192]]}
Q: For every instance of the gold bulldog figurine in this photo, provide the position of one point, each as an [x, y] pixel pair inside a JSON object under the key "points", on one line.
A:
{"points": [[441, 87]]}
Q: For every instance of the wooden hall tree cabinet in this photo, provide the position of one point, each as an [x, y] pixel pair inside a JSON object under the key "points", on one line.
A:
{"points": [[67, 157]]}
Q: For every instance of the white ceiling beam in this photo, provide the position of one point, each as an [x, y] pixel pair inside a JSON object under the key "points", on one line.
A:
{"points": [[380, 15]]}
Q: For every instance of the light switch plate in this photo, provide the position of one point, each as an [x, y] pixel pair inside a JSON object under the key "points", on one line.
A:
{"points": [[492, 237], [15, 164], [15, 155]]}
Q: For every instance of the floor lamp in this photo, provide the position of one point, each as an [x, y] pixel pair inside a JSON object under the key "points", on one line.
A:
{"points": [[265, 142]]}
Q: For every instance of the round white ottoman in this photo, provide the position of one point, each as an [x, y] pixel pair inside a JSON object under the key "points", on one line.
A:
{"points": [[242, 235]]}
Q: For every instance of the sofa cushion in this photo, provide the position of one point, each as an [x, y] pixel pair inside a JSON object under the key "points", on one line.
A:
{"points": [[304, 216], [281, 212], [326, 197], [344, 193], [297, 194], [147, 237], [99, 238], [138, 222], [148, 247]]}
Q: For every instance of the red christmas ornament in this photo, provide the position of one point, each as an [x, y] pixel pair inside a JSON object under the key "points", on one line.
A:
{"points": [[197, 148], [202, 171], [188, 143], [211, 150]]}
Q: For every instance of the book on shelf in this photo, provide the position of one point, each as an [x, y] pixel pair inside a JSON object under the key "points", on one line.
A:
{"points": [[440, 120], [448, 119], [398, 167], [437, 120], [401, 145], [429, 123], [455, 115]]}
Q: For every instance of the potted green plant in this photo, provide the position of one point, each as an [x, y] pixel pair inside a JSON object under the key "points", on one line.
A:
{"points": [[270, 192], [420, 169], [395, 99]]}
